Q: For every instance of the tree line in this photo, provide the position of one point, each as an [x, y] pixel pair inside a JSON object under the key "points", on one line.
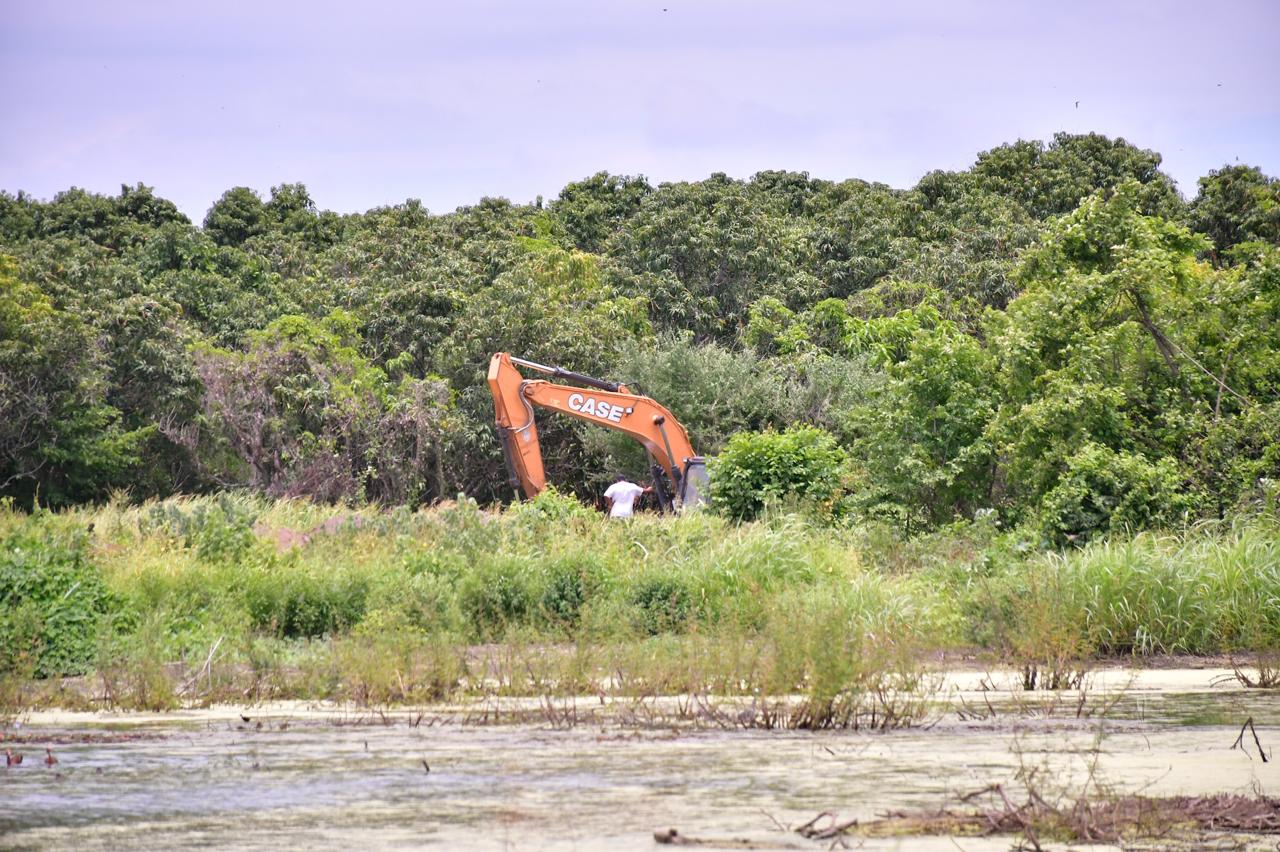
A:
{"points": [[1055, 337]]}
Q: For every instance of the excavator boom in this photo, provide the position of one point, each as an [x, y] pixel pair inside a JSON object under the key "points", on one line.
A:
{"points": [[607, 404]]}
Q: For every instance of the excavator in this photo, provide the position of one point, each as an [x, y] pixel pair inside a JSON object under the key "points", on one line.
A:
{"points": [[679, 474]]}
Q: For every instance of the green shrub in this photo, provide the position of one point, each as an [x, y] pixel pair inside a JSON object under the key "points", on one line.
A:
{"points": [[52, 599], [425, 601], [571, 582], [220, 531], [295, 601], [1105, 491], [436, 563], [550, 506], [495, 596], [758, 468], [462, 527], [664, 604], [563, 597]]}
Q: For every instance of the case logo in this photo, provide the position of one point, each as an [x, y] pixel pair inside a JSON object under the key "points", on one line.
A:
{"points": [[597, 408]]}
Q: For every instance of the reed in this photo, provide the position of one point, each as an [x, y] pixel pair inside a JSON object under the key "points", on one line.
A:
{"points": [[194, 599]]}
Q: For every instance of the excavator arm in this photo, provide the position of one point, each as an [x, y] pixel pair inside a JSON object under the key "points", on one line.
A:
{"points": [[597, 401]]}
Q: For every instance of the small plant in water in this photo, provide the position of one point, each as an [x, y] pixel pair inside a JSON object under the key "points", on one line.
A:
{"points": [[1261, 671]]}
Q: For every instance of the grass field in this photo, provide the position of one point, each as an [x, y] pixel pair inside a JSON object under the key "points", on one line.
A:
{"points": [[208, 599]]}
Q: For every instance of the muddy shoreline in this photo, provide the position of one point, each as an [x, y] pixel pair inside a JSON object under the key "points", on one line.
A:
{"points": [[316, 775]]}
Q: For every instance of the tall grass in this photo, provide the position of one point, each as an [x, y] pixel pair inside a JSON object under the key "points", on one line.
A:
{"points": [[1207, 591], [1160, 594], [289, 598]]}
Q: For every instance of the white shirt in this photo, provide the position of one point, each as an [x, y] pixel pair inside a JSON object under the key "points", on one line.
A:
{"points": [[623, 494]]}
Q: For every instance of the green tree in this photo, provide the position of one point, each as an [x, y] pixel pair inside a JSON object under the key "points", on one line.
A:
{"points": [[924, 445], [235, 217], [60, 440], [553, 306], [1051, 180], [18, 216], [403, 282], [1112, 344], [593, 210], [294, 212], [970, 241], [1237, 204], [704, 252], [141, 204], [866, 237], [302, 413]]}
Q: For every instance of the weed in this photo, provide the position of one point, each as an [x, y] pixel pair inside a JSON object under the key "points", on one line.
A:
{"points": [[133, 672], [663, 603], [52, 598], [386, 661], [1260, 671], [217, 530], [496, 596]]}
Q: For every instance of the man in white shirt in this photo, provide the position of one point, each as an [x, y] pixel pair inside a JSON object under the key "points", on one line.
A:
{"points": [[622, 496]]}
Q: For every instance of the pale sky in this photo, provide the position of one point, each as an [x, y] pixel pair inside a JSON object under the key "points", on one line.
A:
{"points": [[373, 102]]}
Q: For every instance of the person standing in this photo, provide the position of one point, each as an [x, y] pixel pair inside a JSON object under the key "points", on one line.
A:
{"points": [[622, 497]]}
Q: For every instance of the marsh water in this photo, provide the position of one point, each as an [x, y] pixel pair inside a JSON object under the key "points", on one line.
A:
{"points": [[305, 776]]}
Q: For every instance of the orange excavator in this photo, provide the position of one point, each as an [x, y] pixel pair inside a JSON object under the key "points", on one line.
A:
{"points": [[679, 474]]}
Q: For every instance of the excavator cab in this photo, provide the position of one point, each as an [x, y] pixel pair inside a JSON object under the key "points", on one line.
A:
{"points": [[691, 490], [696, 488]]}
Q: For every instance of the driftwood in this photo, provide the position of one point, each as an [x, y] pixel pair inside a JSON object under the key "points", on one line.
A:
{"points": [[672, 837], [1239, 743]]}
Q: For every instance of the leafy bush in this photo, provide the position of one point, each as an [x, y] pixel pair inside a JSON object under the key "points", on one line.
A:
{"points": [[221, 531], [1105, 491], [758, 468], [551, 505], [570, 583], [430, 603], [52, 600], [305, 602], [664, 604], [497, 594]]}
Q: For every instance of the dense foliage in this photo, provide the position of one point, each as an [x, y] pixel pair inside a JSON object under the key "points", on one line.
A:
{"points": [[52, 599], [1055, 338], [757, 469]]}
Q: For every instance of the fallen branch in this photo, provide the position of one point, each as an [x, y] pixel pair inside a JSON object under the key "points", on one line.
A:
{"points": [[672, 837]]}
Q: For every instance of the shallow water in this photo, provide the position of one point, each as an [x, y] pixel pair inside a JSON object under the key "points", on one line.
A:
{"points": [[324, 777]]}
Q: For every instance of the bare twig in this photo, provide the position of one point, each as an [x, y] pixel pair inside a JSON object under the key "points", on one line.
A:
{"points": [[1239, 743]]}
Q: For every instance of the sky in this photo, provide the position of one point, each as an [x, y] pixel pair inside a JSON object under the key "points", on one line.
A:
{"points": [[370, 103]]}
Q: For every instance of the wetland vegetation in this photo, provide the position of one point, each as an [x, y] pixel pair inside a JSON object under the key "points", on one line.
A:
{"points": [[224, 598], [1028, 410]]}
